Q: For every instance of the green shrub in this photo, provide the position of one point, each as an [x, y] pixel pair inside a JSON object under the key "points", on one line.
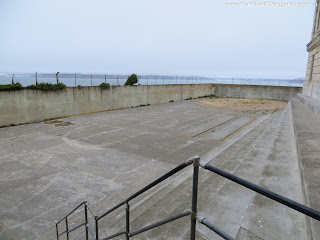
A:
{"points": [[132, 80], [104, 85], [11, 87], [47, 86]]}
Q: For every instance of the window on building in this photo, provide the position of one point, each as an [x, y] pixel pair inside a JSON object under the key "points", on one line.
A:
{"points": [[311, 68], [318, 18]]}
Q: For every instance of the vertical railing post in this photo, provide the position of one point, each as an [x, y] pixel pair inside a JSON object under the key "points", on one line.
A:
{"points": [[67, 228], [36, 78], [57, 231], [127, 220], [97, 228], [91, 80], [86, 220], [196, 164], [57, 76], [117, 80], [75, 79], [105, 78]]}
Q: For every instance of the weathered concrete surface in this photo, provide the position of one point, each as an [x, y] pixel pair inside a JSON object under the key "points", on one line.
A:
{"points": [[31, 105], [47, 169], [224, 130], [312, 88], [246, 91], [311, 103], [308, 138]]}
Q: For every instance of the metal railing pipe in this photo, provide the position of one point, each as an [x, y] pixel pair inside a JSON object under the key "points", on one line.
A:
{"points": [[157, 224], [196, 164], [277, 197], [57, 231], [214, 228], [160, 179], [71, 212], [127, 220], [115, 235], [86, 220], [91, 232], [111, 210], [67, 228], [75, 228], [97, 227], [92, 212]]}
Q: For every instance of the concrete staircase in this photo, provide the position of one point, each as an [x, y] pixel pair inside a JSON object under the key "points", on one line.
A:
{"points": [[263, 153]]}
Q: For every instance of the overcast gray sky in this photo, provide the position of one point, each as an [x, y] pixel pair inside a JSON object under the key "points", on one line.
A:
{"points": [[182, 37]]}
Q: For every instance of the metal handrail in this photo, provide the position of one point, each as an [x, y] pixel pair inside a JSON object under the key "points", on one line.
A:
{"points": [[214, 228], [84, 202], [146, 188], [193, 213], [272, 195]]}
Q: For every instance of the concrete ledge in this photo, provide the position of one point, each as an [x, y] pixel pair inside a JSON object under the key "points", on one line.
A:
{"points": [[248, 91], [311, 103], [307, 131]]}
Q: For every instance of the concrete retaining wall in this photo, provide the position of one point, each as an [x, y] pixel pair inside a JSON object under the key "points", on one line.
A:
{"points": [[267, 92], [33, 105], [28, 105]]}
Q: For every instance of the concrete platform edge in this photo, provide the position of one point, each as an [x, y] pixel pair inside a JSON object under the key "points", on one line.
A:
{"points": [[304, 191]]}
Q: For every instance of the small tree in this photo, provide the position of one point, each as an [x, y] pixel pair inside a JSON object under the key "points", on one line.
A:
{"points": [[132, 80], [104, 85]]}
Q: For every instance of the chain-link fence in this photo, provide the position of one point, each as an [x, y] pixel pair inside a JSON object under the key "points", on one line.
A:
{"points": [[78, 79]]}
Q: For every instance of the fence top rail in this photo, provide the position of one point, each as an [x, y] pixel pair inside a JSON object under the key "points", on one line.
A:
{"points": [[267, 193], [84, 202], [146, 188]]}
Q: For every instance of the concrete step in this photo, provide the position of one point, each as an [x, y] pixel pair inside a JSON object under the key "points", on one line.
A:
{"points": [[271, 163], [224, 203], [149, 211]]}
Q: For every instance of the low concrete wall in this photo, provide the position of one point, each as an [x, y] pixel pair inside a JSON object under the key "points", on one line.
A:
{"points": [[28, 105], [267, 92]]}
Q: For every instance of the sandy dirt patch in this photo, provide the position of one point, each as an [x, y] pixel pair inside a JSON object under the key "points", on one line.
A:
{"points": [[244, 104]]}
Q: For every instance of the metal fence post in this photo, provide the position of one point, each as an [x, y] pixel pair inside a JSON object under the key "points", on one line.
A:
{"points": [[91, 80], [196, 164], [57, 75], [75, 79], [57, 230], [105, 78], [117, 79], [86, 216], [147, 80], [97, 229], [127, 220], [36, 78], [67, 228]]}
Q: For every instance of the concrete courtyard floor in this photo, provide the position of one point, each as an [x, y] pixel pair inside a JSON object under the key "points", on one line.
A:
{"points": [[48, 168]]}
